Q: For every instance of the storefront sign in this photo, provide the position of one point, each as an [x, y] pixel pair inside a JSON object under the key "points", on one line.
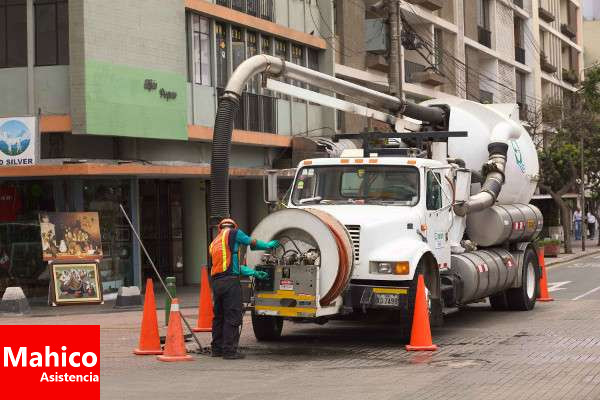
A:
{"points": [[18, 141]]}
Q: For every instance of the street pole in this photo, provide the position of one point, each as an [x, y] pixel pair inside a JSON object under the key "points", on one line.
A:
{"points": [[582, 189], [395, 74]]}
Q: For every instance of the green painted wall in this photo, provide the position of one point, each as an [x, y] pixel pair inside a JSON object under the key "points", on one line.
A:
{"points": [[118, 104]]}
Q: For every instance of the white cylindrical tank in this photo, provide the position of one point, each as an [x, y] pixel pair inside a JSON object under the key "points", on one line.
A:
{"points": [[479, 120]]}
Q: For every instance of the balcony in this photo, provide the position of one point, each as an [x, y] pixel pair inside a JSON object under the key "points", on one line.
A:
{"points": [[431, 5], [546, 15], [570, 76], [378, 62], [518, 3], [520, 55], [257, 8], [546, 65], [484, 36], [568, 31]]}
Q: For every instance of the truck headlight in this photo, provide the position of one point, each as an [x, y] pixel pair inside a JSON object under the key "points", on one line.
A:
{"points": [[390, 267], [384, 268]]}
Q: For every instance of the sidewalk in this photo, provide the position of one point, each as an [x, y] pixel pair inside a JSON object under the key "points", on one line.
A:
{"points": [[591, 247]]}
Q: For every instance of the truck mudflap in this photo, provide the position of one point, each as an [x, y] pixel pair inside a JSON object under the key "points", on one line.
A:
{"points": [[359, 296]]}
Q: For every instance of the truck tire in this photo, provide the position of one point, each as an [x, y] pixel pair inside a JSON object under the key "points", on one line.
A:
{"points": [[266, 328], [523, 298], [499, 302]]}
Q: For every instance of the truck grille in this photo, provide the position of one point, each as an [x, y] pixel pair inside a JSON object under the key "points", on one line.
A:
{"points": [[354, 231]]}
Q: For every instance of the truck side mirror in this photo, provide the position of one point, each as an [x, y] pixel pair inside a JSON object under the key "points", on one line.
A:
{"points": [[463, 185], [271, 189]]}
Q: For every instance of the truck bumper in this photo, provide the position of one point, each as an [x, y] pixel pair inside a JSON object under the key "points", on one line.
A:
{"points": [[359, 296]]}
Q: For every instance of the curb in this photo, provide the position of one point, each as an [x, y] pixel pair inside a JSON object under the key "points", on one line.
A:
{"points": [[559, 262]]}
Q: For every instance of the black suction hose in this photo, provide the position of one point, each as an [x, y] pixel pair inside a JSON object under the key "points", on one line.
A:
{"points": [[221, 147]]}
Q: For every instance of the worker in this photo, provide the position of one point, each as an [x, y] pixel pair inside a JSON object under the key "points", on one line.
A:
{"points": [[227, 291]]}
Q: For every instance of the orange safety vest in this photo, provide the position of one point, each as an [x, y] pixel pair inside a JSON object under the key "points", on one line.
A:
{"points": [[221, 251]]}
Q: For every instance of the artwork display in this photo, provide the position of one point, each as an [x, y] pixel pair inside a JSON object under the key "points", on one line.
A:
{"points": [[76, 283], [69, 236]]}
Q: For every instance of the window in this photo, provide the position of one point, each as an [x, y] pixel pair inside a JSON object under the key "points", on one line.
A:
{"points": [[13, 33], [265, 45], [252, 49], [313, 63], [483, 13], [393, 185], [201, 50], [281, 51], [434, 191], [238, 49], [51, 32], [297, 58], [221, 40]]}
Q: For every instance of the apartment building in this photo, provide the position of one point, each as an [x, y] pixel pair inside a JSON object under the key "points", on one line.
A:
{"points": [[497, 51], [124, 95]]}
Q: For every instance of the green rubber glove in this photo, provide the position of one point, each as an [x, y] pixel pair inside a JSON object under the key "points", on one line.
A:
{"points": [[273, 243], [262, 275]]}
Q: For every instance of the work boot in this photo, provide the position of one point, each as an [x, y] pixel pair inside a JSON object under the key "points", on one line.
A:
{"points": [[216, 353], [234, 356]]}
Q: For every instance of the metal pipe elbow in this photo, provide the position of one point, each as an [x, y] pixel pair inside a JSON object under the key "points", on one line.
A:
{"points": [[251, 67]]}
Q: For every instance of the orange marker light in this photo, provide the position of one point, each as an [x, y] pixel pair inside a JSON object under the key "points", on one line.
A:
{"points": [[412, 162], [307, 162], [359, 161], [373, 161], [401, 268], [345, 161]]}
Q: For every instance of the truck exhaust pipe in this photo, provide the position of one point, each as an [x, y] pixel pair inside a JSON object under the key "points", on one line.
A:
{"points": [[229, 104]]}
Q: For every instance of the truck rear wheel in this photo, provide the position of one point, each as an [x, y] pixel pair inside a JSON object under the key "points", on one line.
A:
{"points": [[523, 298], [499, 302], [266, 328]]}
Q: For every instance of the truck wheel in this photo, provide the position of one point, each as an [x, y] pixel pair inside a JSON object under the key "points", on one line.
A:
{"points": [[266, 328], [499, 302], [523, 298]]}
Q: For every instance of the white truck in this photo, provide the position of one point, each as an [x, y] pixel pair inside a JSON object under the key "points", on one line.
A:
{"points": [[449, 201]]}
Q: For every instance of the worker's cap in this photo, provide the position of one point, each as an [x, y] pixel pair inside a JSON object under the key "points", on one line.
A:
{"points": [[227, 223]]}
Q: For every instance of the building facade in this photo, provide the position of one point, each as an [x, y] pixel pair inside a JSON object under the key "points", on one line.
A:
{"points": [[125, 96], [500, 51]]}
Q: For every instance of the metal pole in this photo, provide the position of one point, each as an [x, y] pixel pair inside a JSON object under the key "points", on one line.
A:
{"points": [[582, 189], [394, 74], [202, 349]]}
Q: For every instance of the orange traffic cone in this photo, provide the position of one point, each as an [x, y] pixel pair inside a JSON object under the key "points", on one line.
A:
{"points": [[175, 345], [205, 306], [544, 295], [149, 339], [420, 335]]}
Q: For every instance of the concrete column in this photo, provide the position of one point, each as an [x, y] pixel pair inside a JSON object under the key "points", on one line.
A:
{"points": [[30, 59], [195, 239]]}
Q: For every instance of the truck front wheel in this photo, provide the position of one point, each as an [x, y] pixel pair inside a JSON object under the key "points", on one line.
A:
{"points": [[523, 297], [266, 328]]}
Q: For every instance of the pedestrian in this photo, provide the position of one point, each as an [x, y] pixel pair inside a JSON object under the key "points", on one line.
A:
{"points": [[577, 223], [227, 291], [591, 222]]}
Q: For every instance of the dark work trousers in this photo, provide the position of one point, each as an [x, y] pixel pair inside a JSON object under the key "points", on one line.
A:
{"points": [[227, 298]]}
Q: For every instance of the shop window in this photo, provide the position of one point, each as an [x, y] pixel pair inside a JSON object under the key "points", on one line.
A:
{"points": [[105, 196], [201, 50], [222, 72], [51, 32], [13, 33]]}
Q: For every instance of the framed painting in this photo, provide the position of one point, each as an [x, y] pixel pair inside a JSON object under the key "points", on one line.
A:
{"points": [[76, 283]]}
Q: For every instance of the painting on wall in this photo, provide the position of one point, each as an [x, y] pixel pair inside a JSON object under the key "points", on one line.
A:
{"points": [[69, 236]]}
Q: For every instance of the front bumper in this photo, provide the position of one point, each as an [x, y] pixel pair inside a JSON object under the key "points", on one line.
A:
{"points": [[363, 296]]}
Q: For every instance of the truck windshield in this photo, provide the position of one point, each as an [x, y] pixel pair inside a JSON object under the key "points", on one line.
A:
{"points": [[357, 184]]}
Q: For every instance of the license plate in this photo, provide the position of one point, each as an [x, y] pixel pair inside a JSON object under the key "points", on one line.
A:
{"points": [[386, 299]]}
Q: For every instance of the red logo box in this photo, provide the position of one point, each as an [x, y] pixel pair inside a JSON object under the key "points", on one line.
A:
{"points": [[50, 361]]}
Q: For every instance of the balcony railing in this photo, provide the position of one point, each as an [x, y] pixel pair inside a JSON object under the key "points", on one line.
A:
{"points": [[570, 76], [258, 8], [546, 65], [568, 31], [484, 36], [518, 3], [520, 55], [546, 15]]}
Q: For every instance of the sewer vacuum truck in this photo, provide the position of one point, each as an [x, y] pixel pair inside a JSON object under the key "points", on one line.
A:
{"points": [[448, 200]]}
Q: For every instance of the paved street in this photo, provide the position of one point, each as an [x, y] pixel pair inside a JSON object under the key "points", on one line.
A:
{"points": [[550, 353]]}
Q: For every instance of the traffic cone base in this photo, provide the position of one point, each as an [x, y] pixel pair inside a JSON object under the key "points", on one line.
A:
{"points": [[175, 344], [420, 334], [544, 294], [149, 343], [205, 306], [433, 347]]}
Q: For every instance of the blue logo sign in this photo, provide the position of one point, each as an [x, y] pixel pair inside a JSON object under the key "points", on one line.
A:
{"points": [[15, 138], [518, 155]]}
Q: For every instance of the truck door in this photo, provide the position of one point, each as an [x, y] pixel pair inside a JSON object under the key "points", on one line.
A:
{"points": [[438, 215]]}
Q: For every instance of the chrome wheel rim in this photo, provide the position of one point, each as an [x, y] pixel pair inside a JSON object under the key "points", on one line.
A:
{"points": [[530, 281]]}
